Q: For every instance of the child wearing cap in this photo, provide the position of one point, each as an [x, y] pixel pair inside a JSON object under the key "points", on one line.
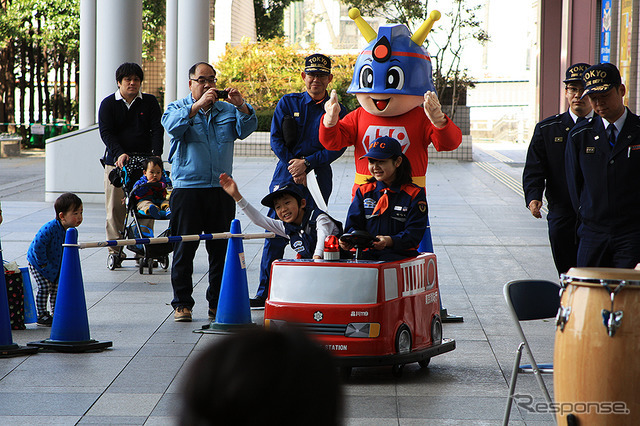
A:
{"points": [[389, 206], [306, 228]]}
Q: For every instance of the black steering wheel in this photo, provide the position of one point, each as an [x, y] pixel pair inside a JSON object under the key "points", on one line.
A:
{"points": [[360, 240]]}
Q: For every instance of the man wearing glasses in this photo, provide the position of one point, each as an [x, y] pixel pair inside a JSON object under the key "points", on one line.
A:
{"points": [[294, 140], [203, 129], [545, 168]]}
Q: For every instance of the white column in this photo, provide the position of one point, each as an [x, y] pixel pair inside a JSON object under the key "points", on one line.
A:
{"points": [[87, 63], [171, 38], [193, 40], [118, 40]]}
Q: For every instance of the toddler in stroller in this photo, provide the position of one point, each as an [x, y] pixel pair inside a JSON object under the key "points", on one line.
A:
{"points": [[145, 193]]}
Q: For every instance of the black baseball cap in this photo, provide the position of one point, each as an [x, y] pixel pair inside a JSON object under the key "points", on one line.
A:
{"points": [[317, 63], [600, 78], [575, 71], [290, 188]]}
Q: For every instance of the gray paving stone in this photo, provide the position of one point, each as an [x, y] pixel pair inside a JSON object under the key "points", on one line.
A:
{"points": [[483, 237]]}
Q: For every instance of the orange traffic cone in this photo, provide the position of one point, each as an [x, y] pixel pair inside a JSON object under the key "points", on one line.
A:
{"points": [[234, 312], [7, 347], [70, 328]]}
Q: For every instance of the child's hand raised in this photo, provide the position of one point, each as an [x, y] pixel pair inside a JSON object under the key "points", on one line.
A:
{"points": [[230, 187]]}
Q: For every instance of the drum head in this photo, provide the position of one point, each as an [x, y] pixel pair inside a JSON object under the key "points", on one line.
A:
{"points": [[613, 275]]}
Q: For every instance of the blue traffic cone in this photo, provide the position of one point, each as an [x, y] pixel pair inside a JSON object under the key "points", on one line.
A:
{"points": [[426, 245], [7, 347], [234, 312], [70, 327]]}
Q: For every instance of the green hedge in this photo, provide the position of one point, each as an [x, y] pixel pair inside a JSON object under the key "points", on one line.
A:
{"points": [[267, 70]]}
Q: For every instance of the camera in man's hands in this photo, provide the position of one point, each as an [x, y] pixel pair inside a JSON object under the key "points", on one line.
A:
{"points": [[222, 94]]}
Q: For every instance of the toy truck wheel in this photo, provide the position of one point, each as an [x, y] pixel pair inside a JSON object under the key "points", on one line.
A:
{"points": [[403, 340], [436, 331], [345, 373], [396, 370]]}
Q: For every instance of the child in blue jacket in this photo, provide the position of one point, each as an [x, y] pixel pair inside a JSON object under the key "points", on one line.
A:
{"points": [[45, 253], [389, 206], [150, 191]]}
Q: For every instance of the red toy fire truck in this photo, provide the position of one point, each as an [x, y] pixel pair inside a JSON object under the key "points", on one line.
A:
{"points": [[367, 313]]}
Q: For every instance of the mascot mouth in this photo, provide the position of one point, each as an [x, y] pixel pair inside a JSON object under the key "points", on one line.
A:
{"points": [[381, 104]]}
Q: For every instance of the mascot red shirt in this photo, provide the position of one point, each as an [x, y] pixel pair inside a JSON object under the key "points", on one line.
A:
{"points": [[392, 82]]}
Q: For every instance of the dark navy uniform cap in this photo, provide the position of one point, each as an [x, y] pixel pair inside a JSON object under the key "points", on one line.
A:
{"points": [[317, 63], [574, 72], [382, 148], [600, 78], [290, 188]]}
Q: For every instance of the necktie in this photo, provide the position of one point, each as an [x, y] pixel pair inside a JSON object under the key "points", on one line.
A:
{"points": [[580, 119], [612, 134], [382, 204]]}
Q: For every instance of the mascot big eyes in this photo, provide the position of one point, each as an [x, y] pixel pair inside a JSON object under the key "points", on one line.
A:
{"points": [[393, 72]]}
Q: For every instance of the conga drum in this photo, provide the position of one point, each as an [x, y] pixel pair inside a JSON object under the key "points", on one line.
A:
{"points": [[596, 362]]}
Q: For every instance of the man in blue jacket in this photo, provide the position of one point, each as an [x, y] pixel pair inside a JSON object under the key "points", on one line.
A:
{"points": [[203, 129], [603, 174], [294, 140]]}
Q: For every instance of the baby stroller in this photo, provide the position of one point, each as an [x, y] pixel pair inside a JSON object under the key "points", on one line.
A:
{"points": [[147, 255]]}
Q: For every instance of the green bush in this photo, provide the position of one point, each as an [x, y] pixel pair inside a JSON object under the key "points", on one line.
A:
{"points": [[265, 71], [264, 119]]}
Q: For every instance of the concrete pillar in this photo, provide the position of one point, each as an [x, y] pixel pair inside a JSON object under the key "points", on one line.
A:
{"points": [[550, 74], [118, 40], [87, 63], [171, 50], [192, 39]]}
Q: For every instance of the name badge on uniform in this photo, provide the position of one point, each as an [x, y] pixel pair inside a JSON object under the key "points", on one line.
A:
{"points": [[558, 139], [590, 150]]}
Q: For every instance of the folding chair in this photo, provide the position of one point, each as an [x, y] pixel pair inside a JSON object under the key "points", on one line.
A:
{"points": [[530, 300]]}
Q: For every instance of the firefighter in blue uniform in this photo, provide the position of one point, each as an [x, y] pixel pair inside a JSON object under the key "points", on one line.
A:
{"points": [[294, 140], [544, 170], [603, 174]]}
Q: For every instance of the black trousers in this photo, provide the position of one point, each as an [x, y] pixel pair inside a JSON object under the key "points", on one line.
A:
{"points": [[563, 241], [196, 211]]}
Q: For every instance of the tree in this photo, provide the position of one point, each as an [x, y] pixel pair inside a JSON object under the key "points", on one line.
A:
{"points": [[449, 35], [39, 53], [269, 16], [269, 69]]}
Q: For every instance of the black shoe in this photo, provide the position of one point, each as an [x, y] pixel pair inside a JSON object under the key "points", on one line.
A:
{"points": [[212, 314], [257, 302], [45, 320]]}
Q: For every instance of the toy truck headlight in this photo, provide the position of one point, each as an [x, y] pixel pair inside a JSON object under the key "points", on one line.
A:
{"points": [[362, 329]]}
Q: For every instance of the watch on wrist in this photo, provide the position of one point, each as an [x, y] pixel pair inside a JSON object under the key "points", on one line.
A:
{"points": [[307, 164]]}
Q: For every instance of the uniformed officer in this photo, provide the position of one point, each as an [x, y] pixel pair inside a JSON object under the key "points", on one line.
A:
{"points": [[294, 140], [603, 174], [544, 168]]}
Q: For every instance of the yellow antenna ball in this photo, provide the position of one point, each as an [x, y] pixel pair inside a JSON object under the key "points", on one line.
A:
{"points": [[367, 32], [421, 34]]}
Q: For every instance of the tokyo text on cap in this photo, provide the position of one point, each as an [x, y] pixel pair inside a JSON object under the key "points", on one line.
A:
{"points": [[574, 72], [600, 78], [317, 63]]}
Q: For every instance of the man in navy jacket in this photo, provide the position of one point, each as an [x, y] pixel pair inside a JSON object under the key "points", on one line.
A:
{"points": [[603, 174], [544, 171]]}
